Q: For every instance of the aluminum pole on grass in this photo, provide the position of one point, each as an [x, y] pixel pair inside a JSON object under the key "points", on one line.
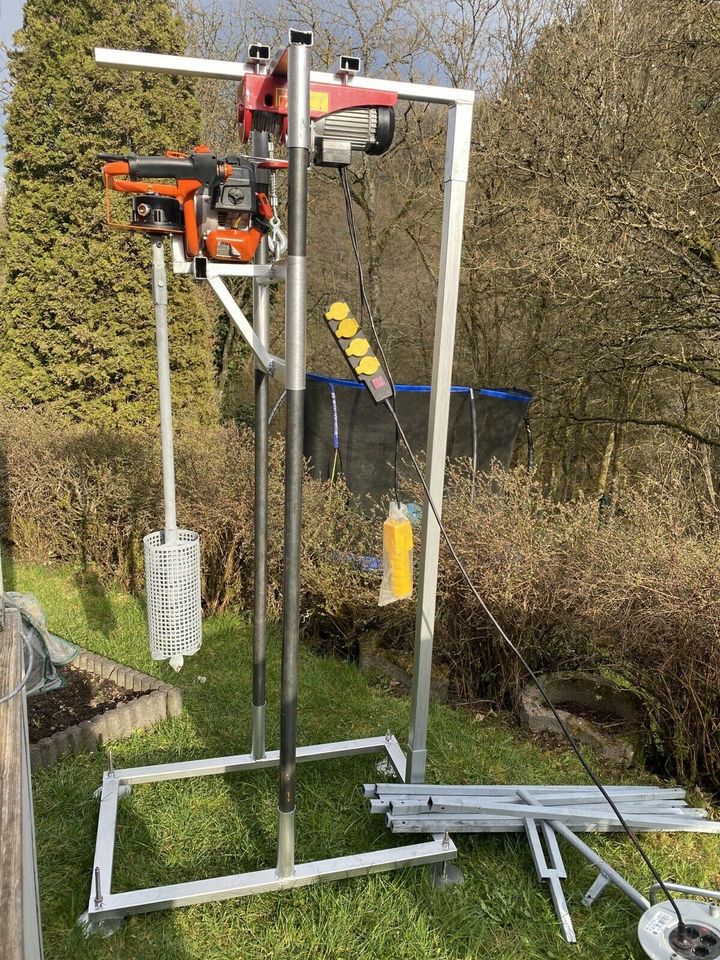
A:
{"points": [[261, 324], [457, 160], [298, 142]]}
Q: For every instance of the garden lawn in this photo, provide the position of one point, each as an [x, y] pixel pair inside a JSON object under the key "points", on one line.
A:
{"points": [[188, 829]]}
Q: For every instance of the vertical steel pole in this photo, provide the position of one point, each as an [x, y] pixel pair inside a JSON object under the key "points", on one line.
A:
{"points": [[298, 141], [456, 173], [261, 323], [160, 299]]}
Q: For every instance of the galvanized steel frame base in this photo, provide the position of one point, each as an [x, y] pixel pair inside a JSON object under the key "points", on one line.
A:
{"points": [[105, 906]]}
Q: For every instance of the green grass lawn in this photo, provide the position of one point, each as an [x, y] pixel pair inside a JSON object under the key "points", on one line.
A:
{"points": [[211, 826]]}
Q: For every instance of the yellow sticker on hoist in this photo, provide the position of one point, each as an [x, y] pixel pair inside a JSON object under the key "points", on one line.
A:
{"points": [[319, 101]]}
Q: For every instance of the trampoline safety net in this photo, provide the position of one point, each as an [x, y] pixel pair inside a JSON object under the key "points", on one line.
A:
{"points": [[340, 416]]}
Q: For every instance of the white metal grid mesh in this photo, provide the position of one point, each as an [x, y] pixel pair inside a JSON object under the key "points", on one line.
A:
{"points": [[172, 579]]}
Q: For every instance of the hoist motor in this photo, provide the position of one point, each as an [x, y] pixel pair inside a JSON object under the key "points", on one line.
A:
{"points": [[344, 119]]}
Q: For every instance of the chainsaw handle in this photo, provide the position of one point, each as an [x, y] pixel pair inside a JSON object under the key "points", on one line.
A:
{"points": [[170, 168], [121, 168]]}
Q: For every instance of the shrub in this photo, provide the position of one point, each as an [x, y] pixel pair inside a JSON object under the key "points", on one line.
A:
{"points": [[86, 495], [635, 593]]}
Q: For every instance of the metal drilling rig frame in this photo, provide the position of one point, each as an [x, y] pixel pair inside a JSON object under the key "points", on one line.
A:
{"points": [[106, 907]]}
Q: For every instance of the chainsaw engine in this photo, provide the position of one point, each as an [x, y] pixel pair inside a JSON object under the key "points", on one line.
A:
{"points": [[235, 215], [215, 202]]}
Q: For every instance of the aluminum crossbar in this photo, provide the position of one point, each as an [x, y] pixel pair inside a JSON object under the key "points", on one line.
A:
{"points": [[596, 823], [118, 905], [235, 70], [462, 805], [495, 790], [246, 761]]}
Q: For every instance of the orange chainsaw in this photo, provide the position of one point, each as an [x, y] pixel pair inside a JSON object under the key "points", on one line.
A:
{"points": [[214, 202]]}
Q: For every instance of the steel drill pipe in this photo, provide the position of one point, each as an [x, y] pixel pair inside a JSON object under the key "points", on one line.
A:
{"points": [[261, 324], [298, 140]]}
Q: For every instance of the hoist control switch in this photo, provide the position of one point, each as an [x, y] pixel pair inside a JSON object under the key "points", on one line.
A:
{"points": [[357, 351]]}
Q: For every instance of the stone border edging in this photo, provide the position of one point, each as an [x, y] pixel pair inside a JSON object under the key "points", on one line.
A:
{"points": [[162, 700]]}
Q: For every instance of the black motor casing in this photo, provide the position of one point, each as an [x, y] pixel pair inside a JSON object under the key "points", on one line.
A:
{"points": [[238, 194], [157, 213]]}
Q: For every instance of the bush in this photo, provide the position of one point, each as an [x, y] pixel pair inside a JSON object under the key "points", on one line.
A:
{"points": [[80, 494], [635, 593]]}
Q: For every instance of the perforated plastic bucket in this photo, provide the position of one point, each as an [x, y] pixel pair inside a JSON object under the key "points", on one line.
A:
{"points": [[172, 579]]}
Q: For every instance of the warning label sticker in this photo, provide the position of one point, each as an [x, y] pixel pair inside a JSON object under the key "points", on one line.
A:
{"points": [[660, 922], [319, 100]]}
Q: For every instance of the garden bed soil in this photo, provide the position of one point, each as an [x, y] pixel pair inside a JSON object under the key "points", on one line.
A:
{"points": [[84, 696]]}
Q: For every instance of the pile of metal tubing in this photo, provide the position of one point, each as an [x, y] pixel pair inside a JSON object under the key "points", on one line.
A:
{"points": [[431, 808], [542, 813]]}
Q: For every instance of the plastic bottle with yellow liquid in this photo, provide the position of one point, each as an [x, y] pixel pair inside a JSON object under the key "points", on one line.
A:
{"points": [[397, 581]]}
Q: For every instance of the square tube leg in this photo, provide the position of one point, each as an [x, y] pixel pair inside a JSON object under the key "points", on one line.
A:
{"points": [[456, 174]]}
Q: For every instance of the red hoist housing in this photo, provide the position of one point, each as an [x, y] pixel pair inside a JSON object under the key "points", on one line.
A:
{"points": [[341, 113]]}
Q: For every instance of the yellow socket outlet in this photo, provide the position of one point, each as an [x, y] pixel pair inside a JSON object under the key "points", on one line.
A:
{"points": [[357, 347], [347, 328], [368, 366], [337, 311]]}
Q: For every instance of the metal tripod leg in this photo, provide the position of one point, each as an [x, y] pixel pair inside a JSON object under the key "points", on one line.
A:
{"points": [[596, 888], [554, 873], [595, 859]]}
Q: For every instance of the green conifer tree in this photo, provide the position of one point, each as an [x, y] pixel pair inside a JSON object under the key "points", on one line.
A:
{"points": [[76, 314]]}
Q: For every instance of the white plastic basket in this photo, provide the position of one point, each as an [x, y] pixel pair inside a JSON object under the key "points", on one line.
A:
{"points": [[172, 579]]}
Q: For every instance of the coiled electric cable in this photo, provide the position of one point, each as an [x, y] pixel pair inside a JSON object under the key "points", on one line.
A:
{"points": [[23, 683]]}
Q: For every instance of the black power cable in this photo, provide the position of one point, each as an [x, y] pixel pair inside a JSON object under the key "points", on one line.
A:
{"points": [[534, 677], [23, 683], [399, 434], [365, 307]]}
